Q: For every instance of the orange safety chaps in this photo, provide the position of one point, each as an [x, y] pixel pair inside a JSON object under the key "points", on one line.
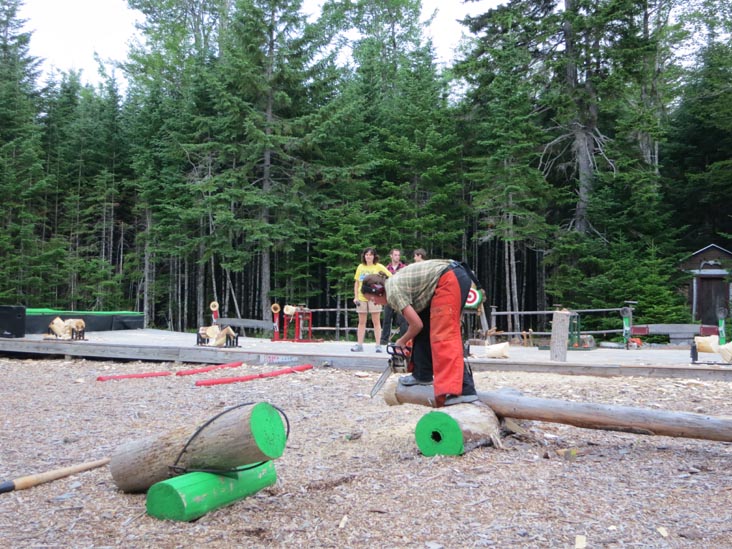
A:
{"points": [[438, 349]]}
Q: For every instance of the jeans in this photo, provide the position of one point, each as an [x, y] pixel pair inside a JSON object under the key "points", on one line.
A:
{"points": [[390, 314]]}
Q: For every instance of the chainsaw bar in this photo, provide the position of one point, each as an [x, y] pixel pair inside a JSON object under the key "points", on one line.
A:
{"points": [[382, 379], [398, 360]]}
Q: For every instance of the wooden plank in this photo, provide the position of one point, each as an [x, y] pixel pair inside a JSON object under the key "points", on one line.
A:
{"points": [[659, 329], [194, 354], [173, 347], [246, 323]]}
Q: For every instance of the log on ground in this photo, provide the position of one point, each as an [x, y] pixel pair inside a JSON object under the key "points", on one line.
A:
{"points": [[190, 496], [240, 436], [454, 430], [642, 421]]}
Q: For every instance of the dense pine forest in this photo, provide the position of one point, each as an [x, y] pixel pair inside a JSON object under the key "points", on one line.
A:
{"points": [[575, 152]]}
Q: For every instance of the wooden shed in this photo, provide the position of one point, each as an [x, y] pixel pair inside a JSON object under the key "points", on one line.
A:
{"points": [[709, 290]]}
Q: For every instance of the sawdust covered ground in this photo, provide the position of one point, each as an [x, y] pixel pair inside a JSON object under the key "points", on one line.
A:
{"points": [[352, 476]]}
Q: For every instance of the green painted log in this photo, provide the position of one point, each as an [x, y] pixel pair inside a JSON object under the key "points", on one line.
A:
{"points": [[456, 429], [243, 436], [192, 495]]}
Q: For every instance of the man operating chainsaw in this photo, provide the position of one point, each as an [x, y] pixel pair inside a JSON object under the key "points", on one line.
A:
{"points": [[430, 295]]}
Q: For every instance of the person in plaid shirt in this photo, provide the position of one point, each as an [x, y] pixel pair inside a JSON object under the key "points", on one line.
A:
{"points": [[430, 295]]}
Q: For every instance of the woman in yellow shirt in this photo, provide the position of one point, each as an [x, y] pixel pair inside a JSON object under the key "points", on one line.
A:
{"points": [[369, 265]]}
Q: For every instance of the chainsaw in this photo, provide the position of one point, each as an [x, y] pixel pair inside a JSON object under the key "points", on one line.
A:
{"points": [[398, 364]]}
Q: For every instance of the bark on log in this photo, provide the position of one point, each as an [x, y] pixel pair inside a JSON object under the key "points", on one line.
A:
{"points": [[454, 430], [242, 436], [606, 417]]}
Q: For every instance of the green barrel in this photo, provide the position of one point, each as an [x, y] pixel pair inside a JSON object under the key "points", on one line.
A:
{"points": [[437, 433], [190, 496]]}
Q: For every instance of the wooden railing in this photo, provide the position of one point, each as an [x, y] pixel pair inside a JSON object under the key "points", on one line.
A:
{"points": [[341, 323]]}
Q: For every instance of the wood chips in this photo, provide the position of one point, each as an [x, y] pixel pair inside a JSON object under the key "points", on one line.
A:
{"points": [[351, 474]]}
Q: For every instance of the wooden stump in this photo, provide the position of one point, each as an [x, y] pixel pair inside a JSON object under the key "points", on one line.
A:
{"points": [[454, 430], [192, 495], [239, 437]]}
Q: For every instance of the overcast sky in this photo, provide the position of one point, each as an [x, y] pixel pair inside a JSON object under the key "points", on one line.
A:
{"points": [[67, 33]]}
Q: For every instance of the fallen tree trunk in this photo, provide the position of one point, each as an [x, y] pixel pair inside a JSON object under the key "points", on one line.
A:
{"points": [[641, 421]]}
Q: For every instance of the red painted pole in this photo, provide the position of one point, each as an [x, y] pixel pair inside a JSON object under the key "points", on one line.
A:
{"points": [[208, 368], [225, 380], [131, 376]]}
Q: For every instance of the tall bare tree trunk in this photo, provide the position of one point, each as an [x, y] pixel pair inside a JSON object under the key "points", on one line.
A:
{"points": [[583, 126], [507, 284], [149, 274], [266, 275], [186, 294], [514, 295], [200, 287], [583, 155]]}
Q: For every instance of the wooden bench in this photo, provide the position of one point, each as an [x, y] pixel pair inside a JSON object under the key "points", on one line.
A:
{"points": [[677, 333]]}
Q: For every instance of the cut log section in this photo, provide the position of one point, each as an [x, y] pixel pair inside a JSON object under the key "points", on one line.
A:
{"points": [[192, 495], [511, 404], [455, 430], [240, 436]]}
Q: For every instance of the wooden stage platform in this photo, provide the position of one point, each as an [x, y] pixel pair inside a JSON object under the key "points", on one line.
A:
{"points": [[166, 346]]}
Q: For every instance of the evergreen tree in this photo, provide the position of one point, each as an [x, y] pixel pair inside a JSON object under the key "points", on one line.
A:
{"points": [[21, 176], [699, 165], [511, 196]]}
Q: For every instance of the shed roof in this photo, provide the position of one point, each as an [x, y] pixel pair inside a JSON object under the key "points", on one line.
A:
{"points": [[708, 258]]}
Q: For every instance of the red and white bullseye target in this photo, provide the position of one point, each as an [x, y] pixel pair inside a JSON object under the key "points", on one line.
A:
{"points": [[475, 298]]}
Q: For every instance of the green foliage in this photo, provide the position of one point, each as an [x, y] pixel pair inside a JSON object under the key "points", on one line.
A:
{"points": [[601, 277], [701, 143], [257, 153]]}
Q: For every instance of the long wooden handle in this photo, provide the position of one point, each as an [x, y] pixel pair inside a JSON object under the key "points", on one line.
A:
{"points": [[22, 483]]}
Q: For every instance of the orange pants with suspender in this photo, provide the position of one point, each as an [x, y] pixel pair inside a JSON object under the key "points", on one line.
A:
{"points": [[438, 348]]}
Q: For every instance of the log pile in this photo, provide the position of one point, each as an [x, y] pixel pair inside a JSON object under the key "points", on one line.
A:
{"points": [[243, 436], [71, 328], [226, 459]]}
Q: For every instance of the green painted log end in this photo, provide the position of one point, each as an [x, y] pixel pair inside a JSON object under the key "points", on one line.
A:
{"points": [[437, 433], [268, 430]]}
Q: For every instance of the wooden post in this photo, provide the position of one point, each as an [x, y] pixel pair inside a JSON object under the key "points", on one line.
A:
{"points": [[242, 436], [493, 326], [560, 336], [641, 421], [192, 495]]}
